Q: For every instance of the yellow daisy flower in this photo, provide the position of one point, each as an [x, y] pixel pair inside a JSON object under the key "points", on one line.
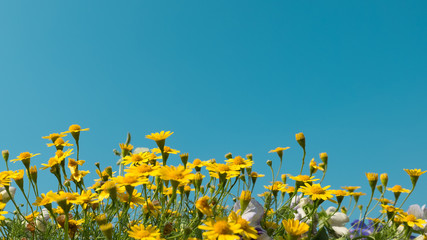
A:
{"points": [[316, 191], [240, 162], [398, 189], [54, 136], [159, 136], [351, 188], [202, 204], [220, 229], [295, 228], [411, 220], [248, 232], [141, 232], [178, 174]]}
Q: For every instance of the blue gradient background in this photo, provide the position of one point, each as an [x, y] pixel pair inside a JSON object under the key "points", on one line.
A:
{"points": [[225, 76]]}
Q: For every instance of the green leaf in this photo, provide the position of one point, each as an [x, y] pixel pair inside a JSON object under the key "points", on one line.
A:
{"points": [[321, 235]]}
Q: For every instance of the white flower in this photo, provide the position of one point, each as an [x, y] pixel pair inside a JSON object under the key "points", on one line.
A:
{"points": [[5, 196], [338, 221], [41, 220], [140, 150], [253, 214]]}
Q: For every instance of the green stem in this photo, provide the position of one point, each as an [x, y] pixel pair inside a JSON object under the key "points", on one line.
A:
{"points": [[303, 159]]}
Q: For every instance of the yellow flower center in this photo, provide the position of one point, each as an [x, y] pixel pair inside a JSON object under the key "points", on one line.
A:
{"points": [[410, 218], [59, 141], [144, 168], [303, 178], [254, 174], [74, 127], [222, 227], [317, 190], [59, 153], [136, 158], [144, 233], [238, 160], [243, 223], [25, 155], [223, 168], [197, 161]]}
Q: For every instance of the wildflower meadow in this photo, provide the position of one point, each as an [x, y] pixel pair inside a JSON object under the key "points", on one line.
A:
{"points": [[145, 197]]}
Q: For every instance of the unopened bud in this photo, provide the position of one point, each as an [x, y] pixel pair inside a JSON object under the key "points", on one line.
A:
{"points": [[184, 158], [284, 177], [107, 230], [269, 163], [5, 154], [245, 198], [109, 171], [300, 139], [324, 157], [384, 179], [228, 156]]}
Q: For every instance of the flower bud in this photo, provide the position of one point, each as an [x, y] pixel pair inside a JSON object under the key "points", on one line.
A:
{"points": [[109, 171], [372, 178], [384, 179], [249, 156], [101, 219], [324, 157], [300, 139], [269, 163], [284, 176], [33, 174], [107, 230], [380, 188], [184, 159], [228, 156], [5, 154], [245, 198]]}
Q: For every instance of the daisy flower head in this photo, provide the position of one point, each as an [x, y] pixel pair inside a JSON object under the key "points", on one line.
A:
{"points": [[142, 232], [126, 148], [25, 157], [398, 189], [220, 170], [178, 174], [220, 229], [315, 191], [411, 220], [279, 151], [160, 138], [240, 162], [202, 204], [414, 174], [301, 179], [356, 195], [351, 189], [75, 130], [54, 136], [59, 144], [295, 228], [248, 231]]}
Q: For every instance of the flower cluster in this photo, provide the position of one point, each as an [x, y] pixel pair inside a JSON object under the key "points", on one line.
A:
{"points": [[150, 199]]}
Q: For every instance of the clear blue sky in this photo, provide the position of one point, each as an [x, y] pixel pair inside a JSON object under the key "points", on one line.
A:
{"points": [[225, 76]]}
